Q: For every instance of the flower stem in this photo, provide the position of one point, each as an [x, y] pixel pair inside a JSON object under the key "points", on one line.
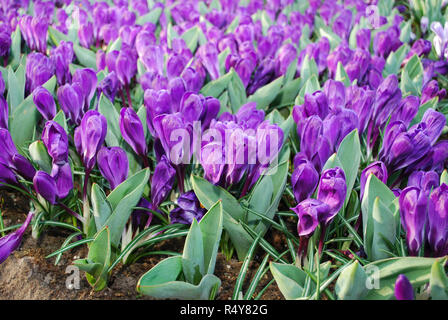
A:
{"points": [[123, 98], [322, 238], [128, 93], [71, 212], [180, 179]]}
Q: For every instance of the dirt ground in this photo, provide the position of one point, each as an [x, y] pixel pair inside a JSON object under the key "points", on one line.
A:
{"points": [[27, 274]]}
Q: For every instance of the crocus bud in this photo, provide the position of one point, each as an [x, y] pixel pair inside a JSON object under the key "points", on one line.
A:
{"points": [[249, 117], [62, 175], [4, 112], [310, 212], [132, 130], [71, 100], [413, 207], [89, 137], [188, 208], [12, 241], [62, 56], [332, 191], [363, 39], [213, 162], [45, 185], [56, 140], [403, 288], [431, 90], [435, 121], [109, 86], [2, 85], [209, 58], [376, 168], [304, 180], [23, 167], [437, 221], [285, 55], [193, 79], [406, 110], [44, 102], [87, 80], [162, 181], [126, 66], [100, 60], [113, 164], [338, 124], [335, 94], [425, 180], [85, 34]]}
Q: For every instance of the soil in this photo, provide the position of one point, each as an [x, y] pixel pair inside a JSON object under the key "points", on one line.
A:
{"points": [[27, 274]]}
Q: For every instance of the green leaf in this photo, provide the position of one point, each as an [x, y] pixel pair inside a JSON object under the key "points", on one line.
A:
{"points": [[216, 87], [152, 17], [416, 269], [308, 69], [351, 283], [208, 194], [23, 120], [86, 57], [266, 94], [236, 91], [98, 260], [191, 38], [349, 154], [122, 201], [412, 77], [107, 109], [206, 289], [310, 86], [100, 206], [40, 156], [16, 86], [62, 120], [341, 75], [287, 94], [211, 227], [444, 177], [438, 282], [290, 280], [394, 60], [15, 54], [193, 255]]}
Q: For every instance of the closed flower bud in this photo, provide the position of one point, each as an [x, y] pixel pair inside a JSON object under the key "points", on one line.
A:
{"points": [[56, 140], [113, 164], [45, 185], [132, 130], [403, 288], [89, 137], [310, 212], [44, 102], [304, 180], [438, 221], [378, 169], [332, 191], [188, 208], [12, 241], [162, 181], [413, 210]]}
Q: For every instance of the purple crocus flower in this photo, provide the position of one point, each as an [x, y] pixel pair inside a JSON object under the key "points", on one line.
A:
{"points": [[360, 100], [209, 57], [304, 180], [413, 210], [39, 69], [425, 180], [378, 169], [406, 110], [162, 181], [403, 288], [22, 166], [45, 185], [125, 66], [363, 37], [87, 79], [71, 100], [89, 137], [338, 124], [314, 104], [285, 55], [342, 24], [62, 56], [132, 130], [12, 241], [310, 213], [437, 221], [62, 175], [188, 208], [109, 86], [55, 139], [5, 43], [44, 102], [264, 73], [435, 121], [431, 90], [113, 164], [332, 191], [7, 175], [85, 34], [34, 31], [213, 162]]}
